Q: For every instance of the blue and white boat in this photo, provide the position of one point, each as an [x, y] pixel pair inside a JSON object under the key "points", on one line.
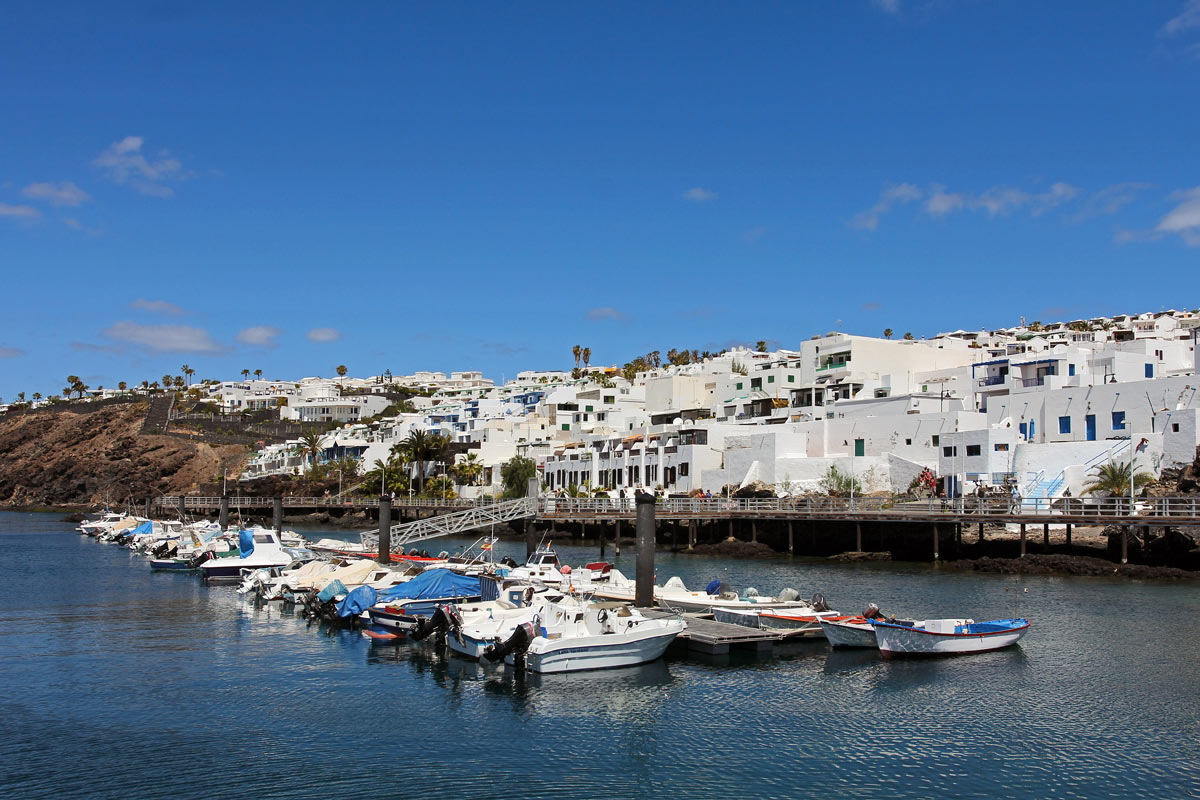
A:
{"points": [[936, 637], [256, 549], [399, 608]]}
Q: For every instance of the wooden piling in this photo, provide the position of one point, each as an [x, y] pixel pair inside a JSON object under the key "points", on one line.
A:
{"points": [[754, 531], [858, 539], [1022, 540], [1068, 534], [936, 554], [385, 529], [1045, 536], [791, 541]]}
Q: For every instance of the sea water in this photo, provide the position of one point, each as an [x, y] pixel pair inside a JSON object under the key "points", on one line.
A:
{"points": [[123, 683]]}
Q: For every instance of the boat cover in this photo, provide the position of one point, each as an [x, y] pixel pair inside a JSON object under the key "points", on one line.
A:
{"points": [[245, 543], [431, 585], [331, 591], [358, 601], [145, 528]]}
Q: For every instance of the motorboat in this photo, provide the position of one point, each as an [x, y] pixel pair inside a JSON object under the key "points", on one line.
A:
{"points": [[571, 637], [474, 627], [256, 549], [399, 608], [795, 622], [675, 596], [934, 637], [857, 631], [104, 522]]}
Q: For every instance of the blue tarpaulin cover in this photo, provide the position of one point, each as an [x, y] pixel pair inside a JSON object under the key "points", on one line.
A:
{"points": [[245, 543], [331, 591], [145, 527], [356, 602], [431, 585]]}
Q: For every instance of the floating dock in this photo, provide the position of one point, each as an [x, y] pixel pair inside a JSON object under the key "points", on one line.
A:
{"points": [[707, 636]]}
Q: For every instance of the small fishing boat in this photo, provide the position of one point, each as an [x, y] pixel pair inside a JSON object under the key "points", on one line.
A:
{"points": [[857, 631], [795, 623], [934, 637], [256, 550]]}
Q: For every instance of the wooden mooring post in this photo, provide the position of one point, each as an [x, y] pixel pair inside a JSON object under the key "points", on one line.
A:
{"points": [[791, 541], [936, 554], [644, 587], [385, 529], [1022, 540], [858, 539]]}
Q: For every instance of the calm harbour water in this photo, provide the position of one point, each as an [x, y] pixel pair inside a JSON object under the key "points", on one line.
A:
{"points": [[122, 683]]}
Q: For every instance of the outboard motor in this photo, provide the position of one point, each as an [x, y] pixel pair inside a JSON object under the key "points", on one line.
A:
{"points": [[438, 623], [517, 644], [508, 562], [199, 559], [788, 595], [818, 602], [872, 612]]}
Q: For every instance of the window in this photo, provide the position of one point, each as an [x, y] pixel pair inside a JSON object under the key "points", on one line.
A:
{"points": [[1001, 448], [587, 408], [860, 447], [1118, 419], [739, 387], [608, 398], [683, 469], [1064, 424], [566, 426], [1174, 427], [1149, 370], [973, 449], [1070, 369], [935, 440], [770, 379], [908, 441], [949, 452], [791, 378]]}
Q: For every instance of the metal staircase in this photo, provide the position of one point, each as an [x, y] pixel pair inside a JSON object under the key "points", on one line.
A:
{"points": [[457, 522]]}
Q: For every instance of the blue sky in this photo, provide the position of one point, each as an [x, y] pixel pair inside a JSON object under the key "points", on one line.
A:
{"points": [[404, 186]]}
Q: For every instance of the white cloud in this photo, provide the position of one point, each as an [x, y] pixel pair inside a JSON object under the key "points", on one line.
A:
{"points": [[324, 335], [260, 335], [1184, 219], [1109, 200], [698, 194], [1186, 20], [163, 338], [941, 202], [19, 212], [124, 163], [890, 6], [888, 199], [606, 312], [157, 307], [11, 352], [61, 194]]}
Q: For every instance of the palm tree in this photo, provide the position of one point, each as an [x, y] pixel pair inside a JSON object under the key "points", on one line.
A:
{"points": [[577, 351], [167, 381], [586, 354], [761, 346], [1113, 479], [37, 396], [20, 397], [310, 444], [908, 336], [187, 371], [887, 333], [258, 373], [245, 374], [422, 447], [122, 386], [341, 370], [468, 470]]}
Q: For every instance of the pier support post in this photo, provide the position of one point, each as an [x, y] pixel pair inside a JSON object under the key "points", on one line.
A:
{"points": [[1068, 534], [385, 529], [936, 532], [603, 537], [1124, 544], [644, 593], [149, 502], [980, 533], [731, 528], [530, 539], [691, 534], [791, 541], [223, 516], [858, 539], [754, 531], [182, 508], [1022, 540], [617, 540], [277, 513], [1045, 536]]}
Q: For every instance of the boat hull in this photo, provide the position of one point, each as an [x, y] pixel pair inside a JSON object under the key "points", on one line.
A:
{"points": [[899, 640], [593, 652], [850, 634]]}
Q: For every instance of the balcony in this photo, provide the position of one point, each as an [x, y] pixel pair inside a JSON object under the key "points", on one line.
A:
{"points": [[993, 380], [834, 365], [1038, 381]]}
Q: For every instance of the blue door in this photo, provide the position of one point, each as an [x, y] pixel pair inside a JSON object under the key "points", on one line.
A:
{"points": [[1090, 422]]}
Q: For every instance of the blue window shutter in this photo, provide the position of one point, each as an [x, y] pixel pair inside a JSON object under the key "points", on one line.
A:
{"points": [[1149, 370]]}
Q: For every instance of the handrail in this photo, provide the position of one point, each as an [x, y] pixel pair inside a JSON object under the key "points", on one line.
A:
{"points": [[1115, 509]]}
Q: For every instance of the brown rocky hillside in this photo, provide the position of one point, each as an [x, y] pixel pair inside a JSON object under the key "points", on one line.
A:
{"points": [[76, 457]]}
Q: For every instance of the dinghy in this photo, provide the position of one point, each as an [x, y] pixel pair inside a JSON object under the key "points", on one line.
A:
{"points": [[934, 637]]}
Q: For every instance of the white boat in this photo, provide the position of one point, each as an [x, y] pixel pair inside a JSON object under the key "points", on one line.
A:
{"points": [[474, 627], [807, 621], [571, 638], [258, 549], [675, 596], [94, 527], [543, 566], [934, 637], [853, 632]]}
